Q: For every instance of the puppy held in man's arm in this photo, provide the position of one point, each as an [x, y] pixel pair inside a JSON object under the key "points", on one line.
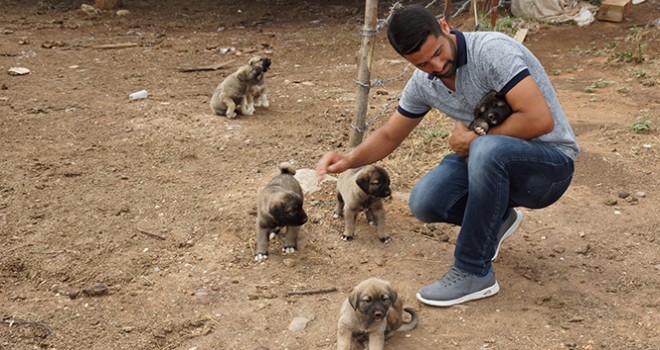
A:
{"points": [[491, 110], [372, 313], [363, 189], [280, 206]]}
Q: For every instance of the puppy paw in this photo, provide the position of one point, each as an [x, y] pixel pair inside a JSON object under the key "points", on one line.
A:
{"points": [[272, 235], [335, 216], [265, 104], [248, 110], [385, 240], [260, 257], [480, 131], [231, 115], [346, 238], [289, 250]]}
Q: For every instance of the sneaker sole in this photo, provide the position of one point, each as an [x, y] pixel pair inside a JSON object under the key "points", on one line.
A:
{"points": [[510, 231], [484, 293]]}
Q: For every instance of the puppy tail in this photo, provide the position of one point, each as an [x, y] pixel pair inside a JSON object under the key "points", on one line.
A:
{"points": [[287, 168], [410, 325]]}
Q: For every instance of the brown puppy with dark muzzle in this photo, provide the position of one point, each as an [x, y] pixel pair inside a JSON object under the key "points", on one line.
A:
{"points": [[363, 189], [280, 205], [492, 109], [372, 313]]}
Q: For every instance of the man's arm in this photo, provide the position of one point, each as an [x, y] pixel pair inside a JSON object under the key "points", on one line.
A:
{"points": [[531, 118], [531, 115], [377, 146]]}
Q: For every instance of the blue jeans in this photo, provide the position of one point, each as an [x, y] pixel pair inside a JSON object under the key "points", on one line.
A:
{"points": [[478, 192]]}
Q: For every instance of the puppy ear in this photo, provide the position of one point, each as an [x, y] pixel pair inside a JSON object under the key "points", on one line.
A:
{"points": [[393, 294], [354, 299], [363, 182]]}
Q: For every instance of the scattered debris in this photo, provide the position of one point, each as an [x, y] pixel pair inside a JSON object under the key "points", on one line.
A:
{"points": [[313, 291], [298, 323], [205, 68], [139, 95], [18, 71], [21, 323], [115, 46]]}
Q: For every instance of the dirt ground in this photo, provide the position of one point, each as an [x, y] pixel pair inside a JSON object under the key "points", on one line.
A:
{"points": [[130, 224]]}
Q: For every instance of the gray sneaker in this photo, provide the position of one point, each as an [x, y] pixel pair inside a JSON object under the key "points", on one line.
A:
{"points": [[509, 226], [456, 287]]}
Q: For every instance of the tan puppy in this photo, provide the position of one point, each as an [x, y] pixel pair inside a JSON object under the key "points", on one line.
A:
{"points": [[280, 205], [234, 90], [258, 90], [363, 189], [372, 313]]}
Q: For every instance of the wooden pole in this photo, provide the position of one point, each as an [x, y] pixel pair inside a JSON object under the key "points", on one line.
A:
{"points": [[447, 12], [359, 125], [493, 15]]}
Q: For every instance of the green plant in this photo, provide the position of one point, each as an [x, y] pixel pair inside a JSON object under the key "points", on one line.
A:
{"points": [[642, 123], [635, 52], [639, 73], [600, 83], [506, 25]]}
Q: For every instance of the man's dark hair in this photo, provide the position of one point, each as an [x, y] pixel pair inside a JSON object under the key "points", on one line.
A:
{"points": [[410, 26]]}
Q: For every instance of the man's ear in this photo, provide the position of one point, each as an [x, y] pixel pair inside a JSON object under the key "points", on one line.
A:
{"points": [[444, 26]]}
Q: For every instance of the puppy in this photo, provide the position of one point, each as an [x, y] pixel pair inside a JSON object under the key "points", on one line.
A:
{"points": [[372, 313], [280, 205], [363, 189], [491, 110], [258, 90], [233, 90]]}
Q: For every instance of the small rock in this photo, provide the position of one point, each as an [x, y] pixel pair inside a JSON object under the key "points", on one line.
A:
{"points": [[640, 194], [122, 13], [611, 202], [298, 324], [623, 194], [89, 10], [583, 250], [95, 290], [18, 71], [288, 262]]}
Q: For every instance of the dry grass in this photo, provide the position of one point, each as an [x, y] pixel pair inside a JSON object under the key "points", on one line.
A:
{"points": [[420, 152]]}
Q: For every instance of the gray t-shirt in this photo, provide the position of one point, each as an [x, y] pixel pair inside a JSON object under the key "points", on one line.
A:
{"points": [[486, 61]]}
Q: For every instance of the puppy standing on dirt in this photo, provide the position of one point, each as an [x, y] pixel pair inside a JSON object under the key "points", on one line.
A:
{"points": [[280, 205], [363, 189], [372, 313], [491, 110], [235, 89], [258, 90]]}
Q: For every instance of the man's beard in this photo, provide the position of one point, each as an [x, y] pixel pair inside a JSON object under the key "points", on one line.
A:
{"points": [[450, 73], [451, 63]]}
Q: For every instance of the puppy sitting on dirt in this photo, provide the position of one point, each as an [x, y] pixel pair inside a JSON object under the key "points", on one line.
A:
{"points": [[491, 110], [235, 89], [258, 90], [363, 189], [280, 205], [372, 313]]}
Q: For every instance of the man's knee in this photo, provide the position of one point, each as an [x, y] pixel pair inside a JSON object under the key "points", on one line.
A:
{"points": [[422, 206]]}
